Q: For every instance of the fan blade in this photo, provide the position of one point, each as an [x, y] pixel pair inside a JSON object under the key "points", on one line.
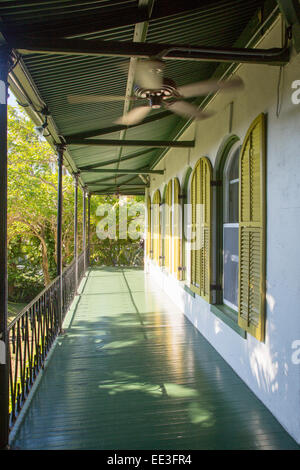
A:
{"points": [[79, 99], [189, 110], [148, 74], [208, 86], [134, 116]]}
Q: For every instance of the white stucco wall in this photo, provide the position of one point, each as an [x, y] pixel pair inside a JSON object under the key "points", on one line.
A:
{"points": [[267, 367]]}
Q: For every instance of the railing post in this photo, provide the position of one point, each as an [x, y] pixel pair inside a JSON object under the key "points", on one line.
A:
{"points": [[4, 365], [60, 158], [89, 230], [76, 230], [84, 230]]}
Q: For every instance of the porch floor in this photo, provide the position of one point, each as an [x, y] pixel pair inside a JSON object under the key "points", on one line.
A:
{"points": [[131, 372]]}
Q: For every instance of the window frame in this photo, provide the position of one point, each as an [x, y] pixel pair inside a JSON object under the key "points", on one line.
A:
{"points": [[184, 200], [219, 308], [167, 222], [156, 242], [176, 248], [204, 254], [234, 152], [149, 252], [228, 149]]}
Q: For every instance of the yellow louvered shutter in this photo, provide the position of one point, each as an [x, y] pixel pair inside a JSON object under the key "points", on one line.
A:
{"points": [[195, 275], [195, 253], [176, 230], [148, 241], [201, 226], [252, 231], [168, 226], [156, 242]]}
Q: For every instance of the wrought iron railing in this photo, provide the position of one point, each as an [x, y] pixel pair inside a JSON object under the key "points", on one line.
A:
{"points": [[82, 263], [33, 331]]}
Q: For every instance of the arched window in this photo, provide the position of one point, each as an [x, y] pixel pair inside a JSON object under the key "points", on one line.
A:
{"points": [[148, 241], [184, 220], [230, 228], [227, 198], [240, 233], [177, 230], [201, 228], [156, 223], [168, 227]]}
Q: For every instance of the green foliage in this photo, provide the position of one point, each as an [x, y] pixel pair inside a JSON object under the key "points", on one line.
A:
{"points": [[32, 209], [32, 215], [14, 308], [116, 251], [24, 269]]}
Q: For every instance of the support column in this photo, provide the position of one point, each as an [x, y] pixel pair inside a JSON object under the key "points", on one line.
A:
{"points": [[76, 230], [84, 230], [60, 158], [4, 373], [89, 230]]}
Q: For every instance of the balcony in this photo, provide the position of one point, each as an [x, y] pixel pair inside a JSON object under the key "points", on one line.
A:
{"points": [[131, 372]]}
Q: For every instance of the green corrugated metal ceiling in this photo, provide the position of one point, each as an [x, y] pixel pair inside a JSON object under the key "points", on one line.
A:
{"points": [[54, 76]]}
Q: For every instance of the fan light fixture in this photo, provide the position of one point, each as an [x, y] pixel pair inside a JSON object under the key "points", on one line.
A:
{"points": [[40, 130]]}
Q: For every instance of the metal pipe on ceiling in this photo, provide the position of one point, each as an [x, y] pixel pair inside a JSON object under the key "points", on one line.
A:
{"points": [[123, 171], [272, 56], [131, 143]]}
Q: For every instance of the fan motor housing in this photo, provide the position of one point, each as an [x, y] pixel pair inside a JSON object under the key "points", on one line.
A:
{"points": [[156, 96]]}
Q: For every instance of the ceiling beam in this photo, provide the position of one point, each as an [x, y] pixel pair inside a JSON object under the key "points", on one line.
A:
{"points": [[143, 171], [117, 128], [131, 143], [111, 193], [115, 160], [120, 185], [102, 20], [114, 179], [115, 187], [53, 45], [110, 178]]}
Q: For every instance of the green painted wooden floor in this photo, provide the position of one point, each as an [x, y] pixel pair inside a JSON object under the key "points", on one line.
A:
{"points": [[132, 373]]}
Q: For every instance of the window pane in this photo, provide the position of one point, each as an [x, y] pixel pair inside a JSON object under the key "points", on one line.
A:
{"points": [[231, 263], [233, 172], [233, 210], [231, 188]]}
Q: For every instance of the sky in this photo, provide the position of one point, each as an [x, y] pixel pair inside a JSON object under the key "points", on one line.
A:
{"points": [[11, 99], [13, 102]]}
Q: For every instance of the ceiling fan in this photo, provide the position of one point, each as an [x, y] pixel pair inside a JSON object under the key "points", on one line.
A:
{"points": [[160, 91]]}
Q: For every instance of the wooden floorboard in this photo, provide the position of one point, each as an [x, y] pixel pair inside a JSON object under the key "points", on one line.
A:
{"points": [[131, 372]]}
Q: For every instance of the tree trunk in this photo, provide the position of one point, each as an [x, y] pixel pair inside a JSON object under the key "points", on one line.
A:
{"points": [[45, 263]]}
